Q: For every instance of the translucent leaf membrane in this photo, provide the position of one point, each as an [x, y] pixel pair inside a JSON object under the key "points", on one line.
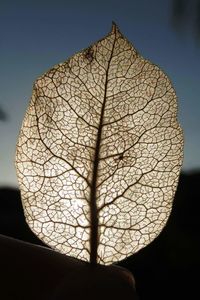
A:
{"points": [[99, 153]]}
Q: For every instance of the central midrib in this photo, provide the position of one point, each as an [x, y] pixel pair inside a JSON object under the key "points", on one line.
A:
{"points": [[93, 204]]}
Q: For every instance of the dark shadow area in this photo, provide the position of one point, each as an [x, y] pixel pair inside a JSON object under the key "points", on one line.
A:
{"points": [[167, 268], [3, 115], [12, 220], [186, 13], [30, 272]]}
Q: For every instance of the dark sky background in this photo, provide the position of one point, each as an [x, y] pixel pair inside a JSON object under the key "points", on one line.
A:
{"points": [[35, 35]]}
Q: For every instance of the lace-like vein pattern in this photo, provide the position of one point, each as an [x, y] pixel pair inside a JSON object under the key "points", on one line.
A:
{"points": [[99, 152]]}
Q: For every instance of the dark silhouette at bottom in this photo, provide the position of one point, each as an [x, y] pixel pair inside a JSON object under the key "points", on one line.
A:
{"points": [[165, 269], [34, 272]]}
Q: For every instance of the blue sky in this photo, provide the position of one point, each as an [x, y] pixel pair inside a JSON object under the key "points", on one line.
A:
{"points": [[35, 35]]}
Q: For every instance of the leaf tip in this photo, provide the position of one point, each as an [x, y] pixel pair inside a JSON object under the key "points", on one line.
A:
{"points": [[114, 28]]}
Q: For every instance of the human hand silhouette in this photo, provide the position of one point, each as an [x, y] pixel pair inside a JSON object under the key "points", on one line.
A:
{"points": [[34, 272]]}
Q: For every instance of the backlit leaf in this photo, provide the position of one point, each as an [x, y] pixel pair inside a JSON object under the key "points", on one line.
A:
{"points": [[99, 152]]}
